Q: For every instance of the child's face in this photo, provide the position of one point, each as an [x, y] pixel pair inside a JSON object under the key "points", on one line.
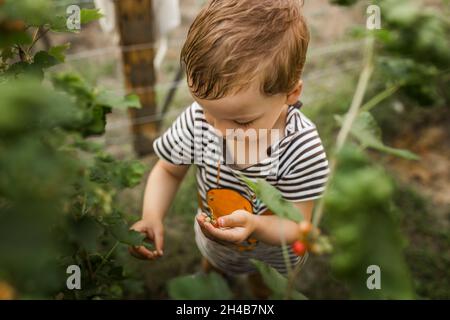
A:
{"points": [[248, 109]]}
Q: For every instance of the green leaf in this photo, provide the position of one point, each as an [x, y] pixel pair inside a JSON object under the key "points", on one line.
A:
{"points": [[110, 99], [89, 15], [74, 85], [120, 230], [199, 287], [59, 24], [364, 226], [59, 52], [87, 145], [276, 282], [402, 153], [85, 231], [273, 199], [44, 59], [6, 53], [22, 110], [131, 173], [92, 114], [401, 13], [366, 130], [41, 60]]}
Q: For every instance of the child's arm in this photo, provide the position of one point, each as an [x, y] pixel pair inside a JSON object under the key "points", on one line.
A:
{"points": [[267, 228], [162, 185], [240, 225]]}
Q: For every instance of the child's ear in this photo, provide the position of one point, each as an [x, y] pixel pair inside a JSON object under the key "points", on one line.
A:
{"points": [[293, 96]]}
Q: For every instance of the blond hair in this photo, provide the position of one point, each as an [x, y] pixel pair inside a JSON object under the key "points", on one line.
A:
{"points": [[233, 42]]}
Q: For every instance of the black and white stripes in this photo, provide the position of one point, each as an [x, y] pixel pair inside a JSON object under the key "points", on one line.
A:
{"points": [[297, 166]]}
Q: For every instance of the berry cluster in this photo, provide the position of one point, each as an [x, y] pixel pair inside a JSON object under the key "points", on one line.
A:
{"points": [[311, 240], [212, 220]]}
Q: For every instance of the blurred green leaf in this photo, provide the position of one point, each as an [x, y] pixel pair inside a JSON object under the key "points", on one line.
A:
{"points": [[89, 15], [273, 199], [59, 52], [44, 59], [85, 231], [74, 85], [110, 99], [363, 225], [131, 173], [23, 110], [368, 133], [199, 287], [121, 231], [276, 282]]}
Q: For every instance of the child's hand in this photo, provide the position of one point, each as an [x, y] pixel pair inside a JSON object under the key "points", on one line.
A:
{"points": [[154, 230], [202, 219], [235, 227]]}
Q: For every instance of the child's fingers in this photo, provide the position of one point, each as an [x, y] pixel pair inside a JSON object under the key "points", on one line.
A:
{"points": [[236, 219], [233, 235], [200, 219], [159, 241], [202, 224], [218, 233], [202, 215], [141, 253]]}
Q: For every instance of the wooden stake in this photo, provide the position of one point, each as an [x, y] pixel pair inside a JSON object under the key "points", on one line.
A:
{"points": [[136, 29]]}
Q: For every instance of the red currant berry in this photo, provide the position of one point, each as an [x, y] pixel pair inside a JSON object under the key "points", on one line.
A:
{"points": [[299, 248]]}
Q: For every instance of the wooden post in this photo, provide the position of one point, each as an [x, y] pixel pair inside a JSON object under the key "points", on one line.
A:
{"points": [[135, 25]]}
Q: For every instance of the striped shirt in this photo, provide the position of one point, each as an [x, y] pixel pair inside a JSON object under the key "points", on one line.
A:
{"points": [[296, 165]]}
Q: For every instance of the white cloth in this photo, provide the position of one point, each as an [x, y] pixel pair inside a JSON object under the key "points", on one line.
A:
{"points": [[167, 17], [108, 21]]}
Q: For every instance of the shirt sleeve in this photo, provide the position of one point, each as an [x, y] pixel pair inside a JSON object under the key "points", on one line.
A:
{"points": [[176, 144], [305, 171]]}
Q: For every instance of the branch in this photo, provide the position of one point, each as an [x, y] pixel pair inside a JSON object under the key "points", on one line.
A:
{"points": [[284, 249], [358, 96], [106, 258], [379, 97], [350, 117], [38, 34], [292, 276]]}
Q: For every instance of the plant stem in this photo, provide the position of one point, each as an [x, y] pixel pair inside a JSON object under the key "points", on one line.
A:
{"points": [[39, 33], [292, 276], [350, 117], [105, 259], [22, 54], [88, 262], [83, 208], [284, 249], [35, 35], [357, 98], [379, 97]]}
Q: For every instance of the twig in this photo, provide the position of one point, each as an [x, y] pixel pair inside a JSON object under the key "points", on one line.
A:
{"points": [[379, 97], [105, 259], [88, 262], [22, 54], [292, 277], [349, 119], [357, 98], [284, 249], [39, 33]]}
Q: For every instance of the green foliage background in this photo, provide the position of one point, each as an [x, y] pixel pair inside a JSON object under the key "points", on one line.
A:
{"points": [[61, 194]]}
